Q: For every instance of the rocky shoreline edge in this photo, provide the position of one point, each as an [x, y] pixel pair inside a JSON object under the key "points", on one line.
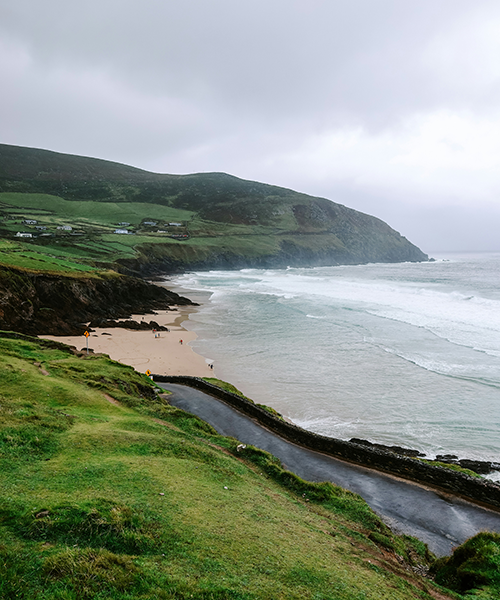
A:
{"points": [[35, 304], [481, 467], [41, 304]]}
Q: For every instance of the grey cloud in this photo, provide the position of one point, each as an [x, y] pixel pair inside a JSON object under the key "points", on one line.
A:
{"points": [[359, 60], [242, 86]]}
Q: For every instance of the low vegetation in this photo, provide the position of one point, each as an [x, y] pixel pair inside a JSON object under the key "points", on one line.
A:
{"points": [[67, 212], [109, 492], [473, 569], [93, 239], [229, 387], [450, 466]]}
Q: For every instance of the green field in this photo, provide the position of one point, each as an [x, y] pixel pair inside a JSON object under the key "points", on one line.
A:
{"points": [[32, 258], [92, 241], [51, 209], [108, 492]]}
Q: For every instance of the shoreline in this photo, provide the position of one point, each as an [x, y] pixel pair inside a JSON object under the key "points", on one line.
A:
{"points": [[477, 464], [165, 356], [162, 355]]}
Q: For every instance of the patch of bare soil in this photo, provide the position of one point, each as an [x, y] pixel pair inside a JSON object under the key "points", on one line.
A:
{"points": [[166, 424], [41, 369], [112, 400]]}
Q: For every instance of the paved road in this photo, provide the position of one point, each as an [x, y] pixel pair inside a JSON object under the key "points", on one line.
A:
{"points": [[440, 520]]}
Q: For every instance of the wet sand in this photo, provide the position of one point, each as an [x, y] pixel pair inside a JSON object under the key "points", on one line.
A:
{"points": [[163, 355]]}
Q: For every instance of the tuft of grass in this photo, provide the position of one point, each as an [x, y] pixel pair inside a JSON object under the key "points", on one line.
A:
{"points": [[88, 574], [452, 467], [98, 523], [228, 387], [27, 442], [473, 568]]}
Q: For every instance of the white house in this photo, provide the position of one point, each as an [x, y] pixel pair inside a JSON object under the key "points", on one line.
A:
{"points": [[26, 235], [65, 227], [30, 222], [121, 231], [175, 224]]}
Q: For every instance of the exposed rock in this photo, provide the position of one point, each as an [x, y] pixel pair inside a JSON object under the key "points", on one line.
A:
{"points": [[127, 324], [395, 449], [46, 304], [482, 467]]}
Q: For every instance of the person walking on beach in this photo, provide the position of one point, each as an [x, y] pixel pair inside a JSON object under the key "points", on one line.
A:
{"points": [[180, 342]]}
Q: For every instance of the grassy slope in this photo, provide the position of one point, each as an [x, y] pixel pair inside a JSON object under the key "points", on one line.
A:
{"points": [[137, 499], [99, 244], [96, 220], [227, 220]]}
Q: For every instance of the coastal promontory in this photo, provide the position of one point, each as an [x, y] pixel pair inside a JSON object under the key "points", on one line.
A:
{"points": [[145, 223]]}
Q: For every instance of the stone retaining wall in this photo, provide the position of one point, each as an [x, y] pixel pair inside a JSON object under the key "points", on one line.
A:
{"points": [[477, 490]]}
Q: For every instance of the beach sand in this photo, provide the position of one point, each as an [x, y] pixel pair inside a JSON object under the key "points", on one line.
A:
{"points": [[163, 355]]}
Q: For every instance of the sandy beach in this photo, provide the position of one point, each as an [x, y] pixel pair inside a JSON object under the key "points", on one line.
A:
{"points": [[163, 355]]}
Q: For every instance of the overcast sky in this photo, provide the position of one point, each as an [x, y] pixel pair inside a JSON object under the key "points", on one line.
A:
{"points": [[391, 107]]}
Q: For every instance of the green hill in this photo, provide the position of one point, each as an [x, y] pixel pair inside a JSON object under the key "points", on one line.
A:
{"points": [[178, 222], [106, 491]]}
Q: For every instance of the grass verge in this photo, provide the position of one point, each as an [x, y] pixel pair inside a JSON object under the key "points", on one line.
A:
{"points": [[107, 491]]}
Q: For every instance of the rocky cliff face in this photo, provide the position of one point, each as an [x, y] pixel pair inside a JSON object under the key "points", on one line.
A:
{"points": [[44, 304], [292, 252]]}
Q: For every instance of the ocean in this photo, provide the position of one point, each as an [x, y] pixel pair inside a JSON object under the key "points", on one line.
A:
{"points": [[405, 354]]}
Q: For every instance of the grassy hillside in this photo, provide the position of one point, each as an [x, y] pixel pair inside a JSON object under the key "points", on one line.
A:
{"points": [[106, 491], [176, 222]]}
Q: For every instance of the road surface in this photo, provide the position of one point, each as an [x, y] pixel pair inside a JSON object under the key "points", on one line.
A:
{"points": [[439, 519]]}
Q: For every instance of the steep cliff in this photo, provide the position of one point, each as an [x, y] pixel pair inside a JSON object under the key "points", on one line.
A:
{"points": [[46, 304]]}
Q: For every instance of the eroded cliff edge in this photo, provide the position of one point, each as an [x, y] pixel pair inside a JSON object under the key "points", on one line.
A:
{"points": [[36, 304]]}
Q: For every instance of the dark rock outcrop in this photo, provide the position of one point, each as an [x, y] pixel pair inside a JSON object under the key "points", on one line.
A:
{"points": [[127, 324], [483, 467], [395, 449], [46, 304]]}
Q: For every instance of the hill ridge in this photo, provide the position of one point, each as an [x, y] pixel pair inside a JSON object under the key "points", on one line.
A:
{"points": [[290, 228]]}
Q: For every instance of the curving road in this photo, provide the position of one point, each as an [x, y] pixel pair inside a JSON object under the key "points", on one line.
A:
{"points": [[440, 520]]}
